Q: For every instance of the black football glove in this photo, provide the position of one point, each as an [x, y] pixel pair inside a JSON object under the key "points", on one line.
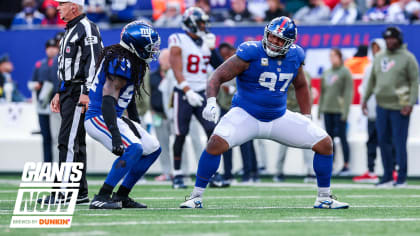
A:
{"points": [[117, 145]]}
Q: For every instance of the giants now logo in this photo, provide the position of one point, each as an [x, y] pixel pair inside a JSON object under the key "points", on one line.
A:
{"points": [[38, 183]]}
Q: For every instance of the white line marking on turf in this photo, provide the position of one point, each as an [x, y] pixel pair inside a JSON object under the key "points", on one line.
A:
{"points": [[79, 233], [171, 222], [210, 216], [198, 234]]}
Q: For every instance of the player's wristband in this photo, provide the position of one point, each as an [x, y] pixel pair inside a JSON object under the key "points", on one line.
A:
{"points": [[183, 84]]}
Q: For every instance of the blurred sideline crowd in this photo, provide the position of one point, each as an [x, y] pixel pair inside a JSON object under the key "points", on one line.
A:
{"points": [[26, 14], [334, 103]]}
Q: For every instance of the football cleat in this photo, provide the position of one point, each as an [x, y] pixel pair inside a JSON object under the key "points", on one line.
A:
{"points": [[127, 202], [330, 203], [195, 202], [104, 202]]}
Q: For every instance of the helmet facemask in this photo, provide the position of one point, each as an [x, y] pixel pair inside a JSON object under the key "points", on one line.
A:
{"points": [[152, 50], [273, 50]]}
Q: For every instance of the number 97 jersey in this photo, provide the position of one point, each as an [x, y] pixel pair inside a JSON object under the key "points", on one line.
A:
{"points": [[195, 60], [262, 88]]}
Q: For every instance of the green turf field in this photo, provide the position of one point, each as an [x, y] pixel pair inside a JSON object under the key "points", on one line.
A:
{"points": [[260, 209]]}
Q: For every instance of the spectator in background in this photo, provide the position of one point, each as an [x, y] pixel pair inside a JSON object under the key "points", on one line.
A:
{"points": [[51, 16], [238, 13], [378, 11], [172, 16], [334, 102], [358, 62], [9, 91], [331, 3], [394, 81], [122, 11], [403, 11], [345, 12], [314, 13], [96, 11], [257, 9], [43, 84], [205, 5], [275, 9], [29, 16], [372, 142], [159, 7]]}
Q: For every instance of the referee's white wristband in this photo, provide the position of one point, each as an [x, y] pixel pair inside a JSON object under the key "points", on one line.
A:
{"points": [[183, 84]]}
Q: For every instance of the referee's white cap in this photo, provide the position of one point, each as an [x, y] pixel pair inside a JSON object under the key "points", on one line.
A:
{"points": [[78, 2]]}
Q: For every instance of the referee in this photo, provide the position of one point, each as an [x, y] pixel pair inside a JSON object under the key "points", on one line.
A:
{"points": [[79, 50]]}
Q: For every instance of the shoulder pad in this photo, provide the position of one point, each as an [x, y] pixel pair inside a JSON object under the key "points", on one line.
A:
{"points": [[248, 51]]}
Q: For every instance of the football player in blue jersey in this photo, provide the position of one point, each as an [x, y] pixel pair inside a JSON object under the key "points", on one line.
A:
{"points": [[264, 71], [119, 77]]}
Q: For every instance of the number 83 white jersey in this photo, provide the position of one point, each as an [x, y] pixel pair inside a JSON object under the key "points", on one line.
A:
{"points": [[195, 60]]}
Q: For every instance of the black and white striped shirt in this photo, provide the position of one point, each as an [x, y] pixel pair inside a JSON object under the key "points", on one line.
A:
{"points": [[79, 51]]}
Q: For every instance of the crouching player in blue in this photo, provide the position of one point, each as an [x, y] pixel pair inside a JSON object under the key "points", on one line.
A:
{"points": [[119, 78], [264, 71]]}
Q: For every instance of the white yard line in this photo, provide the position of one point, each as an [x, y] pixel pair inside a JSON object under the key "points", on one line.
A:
{"points": [[273, 221], [79, 233]]}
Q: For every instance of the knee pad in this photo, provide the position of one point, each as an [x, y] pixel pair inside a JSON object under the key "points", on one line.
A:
{"points": [[178, 144]]}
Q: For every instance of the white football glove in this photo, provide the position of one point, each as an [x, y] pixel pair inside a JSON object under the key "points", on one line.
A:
{"points": [[211, 112], [210, 40], [194, 99]]}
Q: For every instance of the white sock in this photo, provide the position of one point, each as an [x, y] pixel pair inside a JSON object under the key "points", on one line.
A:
{"points": [[197, 192], [324, 191], [177, 172]]}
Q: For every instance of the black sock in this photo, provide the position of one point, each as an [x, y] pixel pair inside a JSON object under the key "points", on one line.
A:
{"points": [[123, 191], [106, 189]]}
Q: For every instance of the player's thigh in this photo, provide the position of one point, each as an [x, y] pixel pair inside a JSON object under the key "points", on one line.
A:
{"points": [[149, 142], [294, 129], [182, 113], [99, 132], [237, 127]]}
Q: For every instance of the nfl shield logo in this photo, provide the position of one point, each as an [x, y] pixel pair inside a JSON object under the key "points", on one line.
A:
{"points": [[68, 49]]}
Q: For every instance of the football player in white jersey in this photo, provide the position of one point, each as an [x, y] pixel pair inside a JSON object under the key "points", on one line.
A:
{"points": [[191, 54]]}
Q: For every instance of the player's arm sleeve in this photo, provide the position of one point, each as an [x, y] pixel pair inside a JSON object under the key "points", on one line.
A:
{"points": [[348, 94], [91, 46], [215, 59], [112, 87], [370, 84], [413, 77]]}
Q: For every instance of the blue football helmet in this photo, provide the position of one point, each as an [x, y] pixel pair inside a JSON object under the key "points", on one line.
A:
{"points": [[141, 39], [195, 21], [284, 28]]}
